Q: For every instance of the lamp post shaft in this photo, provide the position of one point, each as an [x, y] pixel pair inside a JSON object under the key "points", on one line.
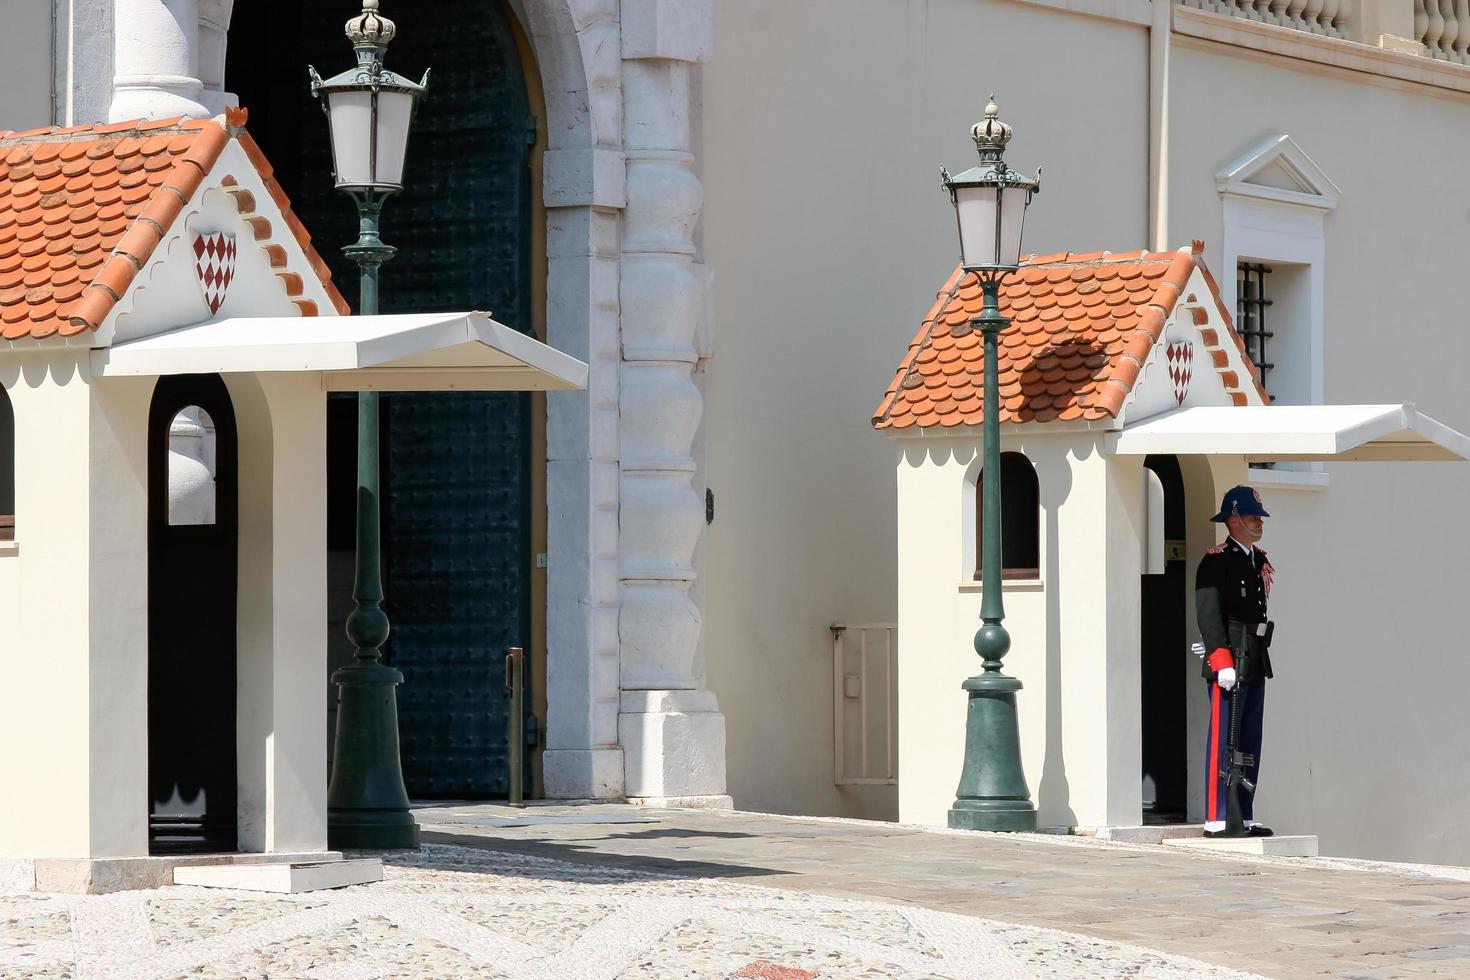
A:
{"points": [[990, 322], [992, 794], [367, 627], [367, 804]]}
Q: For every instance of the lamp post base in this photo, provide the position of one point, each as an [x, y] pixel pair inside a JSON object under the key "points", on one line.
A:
{"points": [[367, 806], [370, 830], [1005, 816], [992, 794]]}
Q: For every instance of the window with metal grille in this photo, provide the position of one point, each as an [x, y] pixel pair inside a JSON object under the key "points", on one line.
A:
{"points": [[1252, 300]]}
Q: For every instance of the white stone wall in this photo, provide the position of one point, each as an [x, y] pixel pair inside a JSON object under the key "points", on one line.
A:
{"points": [[623, 522], [824, 218], [825, 123], [26, 66]]}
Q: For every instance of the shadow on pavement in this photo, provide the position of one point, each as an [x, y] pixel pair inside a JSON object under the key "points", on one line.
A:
{"points": [[678, 832], [575, 852]]}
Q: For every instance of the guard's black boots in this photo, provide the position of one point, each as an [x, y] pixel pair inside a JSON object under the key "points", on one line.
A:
{"points": [[1257, 830]]}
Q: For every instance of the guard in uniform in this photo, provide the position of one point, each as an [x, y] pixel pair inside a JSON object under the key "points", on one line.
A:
{"points": [[1232, 586]]}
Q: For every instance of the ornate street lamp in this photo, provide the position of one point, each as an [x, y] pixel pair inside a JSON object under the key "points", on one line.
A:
{"points": [[990, 204], [369, 110]]}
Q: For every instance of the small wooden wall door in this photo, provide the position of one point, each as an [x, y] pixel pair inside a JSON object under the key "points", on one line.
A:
{"points": [[192, 572]]}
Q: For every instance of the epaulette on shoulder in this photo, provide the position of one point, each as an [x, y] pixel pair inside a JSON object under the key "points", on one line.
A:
{"points": [[1218, 549]]}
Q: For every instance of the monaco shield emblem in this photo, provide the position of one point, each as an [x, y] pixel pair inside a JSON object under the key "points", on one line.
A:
{"points": [[214, 263], [1180, 356]]}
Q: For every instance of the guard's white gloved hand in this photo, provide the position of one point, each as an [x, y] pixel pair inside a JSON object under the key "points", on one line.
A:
{"points": [[1226, 678]]}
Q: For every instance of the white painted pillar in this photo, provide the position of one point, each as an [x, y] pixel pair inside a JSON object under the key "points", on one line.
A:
{"points": [[669, 725], [156, 60]]}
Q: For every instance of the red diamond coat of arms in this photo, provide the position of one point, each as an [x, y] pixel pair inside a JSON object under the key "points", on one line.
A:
{"points": [[1180, 356], [1181, 368], [214, 263]]}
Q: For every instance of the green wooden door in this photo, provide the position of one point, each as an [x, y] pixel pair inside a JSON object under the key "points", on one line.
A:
{"points": [[456, 468]]}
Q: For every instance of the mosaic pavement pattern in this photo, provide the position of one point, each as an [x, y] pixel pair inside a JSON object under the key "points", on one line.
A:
{"points": [[458, 912]]}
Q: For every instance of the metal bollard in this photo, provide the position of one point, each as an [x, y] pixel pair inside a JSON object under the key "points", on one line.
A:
{"points": [[515, 683]]}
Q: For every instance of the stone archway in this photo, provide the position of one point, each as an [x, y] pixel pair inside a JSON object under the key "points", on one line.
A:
{"points": [[624, 293]]}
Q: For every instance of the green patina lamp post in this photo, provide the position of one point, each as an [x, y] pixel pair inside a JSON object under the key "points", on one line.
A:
{"points": [[369, 110], [990, 202]]}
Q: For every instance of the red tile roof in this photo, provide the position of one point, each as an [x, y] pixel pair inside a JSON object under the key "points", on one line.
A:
{"points": [[1082, 327], [82, 209]]}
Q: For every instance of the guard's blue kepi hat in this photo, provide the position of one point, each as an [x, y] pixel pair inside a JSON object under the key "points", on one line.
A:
{"points": [[1240, 502]]}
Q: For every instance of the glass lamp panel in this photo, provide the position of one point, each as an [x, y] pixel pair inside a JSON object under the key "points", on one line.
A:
{"points": [[1012, 217], [350, 116], [395, 112], [976, 206]]}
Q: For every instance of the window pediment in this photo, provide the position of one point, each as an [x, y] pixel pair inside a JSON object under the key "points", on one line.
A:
{"points": [[1279, 170]]}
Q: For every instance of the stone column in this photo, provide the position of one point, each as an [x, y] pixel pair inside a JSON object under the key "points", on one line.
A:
{"points": [[1385, 24], [156, 60], [669, 725], [583, 178], [214, 28]]}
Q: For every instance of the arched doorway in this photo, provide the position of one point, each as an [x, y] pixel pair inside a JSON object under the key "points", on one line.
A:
{"points": [[1164, 598], [459, 472], [192, 574]]}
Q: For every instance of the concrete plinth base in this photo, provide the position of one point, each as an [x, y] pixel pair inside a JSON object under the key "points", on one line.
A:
{"points": [[685, 802], [1147, 833], [99, 876], [673, 745], [583, 774], [1282, 845], [285, 877]]}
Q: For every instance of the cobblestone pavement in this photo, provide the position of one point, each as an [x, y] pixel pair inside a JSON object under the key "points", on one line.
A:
{"points": [[565, 893], [1277, 917], [451, 911]]}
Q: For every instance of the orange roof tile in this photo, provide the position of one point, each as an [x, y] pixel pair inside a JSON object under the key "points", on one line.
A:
{"points": [[1082, 326], [83, 208]]}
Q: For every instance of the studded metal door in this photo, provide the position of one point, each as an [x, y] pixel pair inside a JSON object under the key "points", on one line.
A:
{"points": [[456, 467]]}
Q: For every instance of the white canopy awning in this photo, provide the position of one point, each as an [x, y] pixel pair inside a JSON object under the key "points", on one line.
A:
{"points": [[1297, 432], [400, 352]]}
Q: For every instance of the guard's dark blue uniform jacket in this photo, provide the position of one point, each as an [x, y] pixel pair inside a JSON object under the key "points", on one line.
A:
{"points": [[1231, 589]]}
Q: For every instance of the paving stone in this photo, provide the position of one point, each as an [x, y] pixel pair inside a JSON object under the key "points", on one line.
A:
{"points": [[718, 894], [449, 911]]}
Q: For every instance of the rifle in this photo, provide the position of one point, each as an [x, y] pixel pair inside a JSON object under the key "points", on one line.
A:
{"points": [[1236, 761]]}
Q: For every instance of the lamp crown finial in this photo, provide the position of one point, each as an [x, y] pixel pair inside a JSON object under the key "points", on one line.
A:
{"points": [[990, 134], [369, 28]]}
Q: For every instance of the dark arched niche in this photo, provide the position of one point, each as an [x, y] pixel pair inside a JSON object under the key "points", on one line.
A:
{"points": [[7, 468], [1020, 519]]}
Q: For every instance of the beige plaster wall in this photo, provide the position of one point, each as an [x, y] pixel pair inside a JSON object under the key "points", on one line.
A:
{"points": [[73, 632], [46, 652], [829, 237], [824, 125], [1074, 632], [1362, 722], [26, 64]]}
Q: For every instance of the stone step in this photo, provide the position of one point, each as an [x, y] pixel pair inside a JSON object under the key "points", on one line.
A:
{"points": [[1149, 833], [1282, 845], [287, 877]]}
